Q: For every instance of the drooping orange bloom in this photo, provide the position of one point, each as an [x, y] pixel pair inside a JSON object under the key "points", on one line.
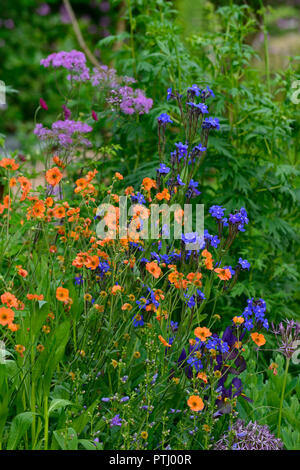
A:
{"points": [[153, 269], [164, 342], [195, 403], [22, 272], [35, 297], [208, 259], [223, 274], [202, 332], [62, 294], [59, 162], [25, 186], [53, 176], [6, 316], [9, 300], [202, 376], [129, 190], [9, 164], [258, 339]]}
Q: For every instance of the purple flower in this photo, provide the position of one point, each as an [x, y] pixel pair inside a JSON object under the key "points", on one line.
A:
{"points": [[252, 436], [74, 61], [43, 9], [116, 421], [64, 132], [67, 112]]}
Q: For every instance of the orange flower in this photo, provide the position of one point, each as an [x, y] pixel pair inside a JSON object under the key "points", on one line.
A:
{"points": [[119, 176], [93, 262], [62, 294], [12, 182], [35, 297], [53, 176], [81, 184], [20, 349], [9, 164], [153, 269], [195, 403], [9, 300], [22, 272], [202, 333], [116, 289], [59, 162], [238, 320], [59, 212], [202, 376], [13, 327], [223, 274], [163, 195], [164, 342], [149, 183], [38, 209], [258, 339], [6, 316]]}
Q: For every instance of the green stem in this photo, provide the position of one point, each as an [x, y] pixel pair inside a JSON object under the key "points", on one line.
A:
{"points": [[131, 38], [46, 419], [282, 395]]}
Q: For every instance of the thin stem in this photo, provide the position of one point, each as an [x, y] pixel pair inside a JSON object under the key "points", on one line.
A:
{"points": [[282, 395]]}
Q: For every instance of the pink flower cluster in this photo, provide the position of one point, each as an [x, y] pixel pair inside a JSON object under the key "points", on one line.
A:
{"points": [[130, 101], [75, 61], [64, 132]]}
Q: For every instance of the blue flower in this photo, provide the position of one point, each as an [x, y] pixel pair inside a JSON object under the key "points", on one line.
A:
{"points": [[179, 181], [182, 149], [164, 118], [195, 90], [189, 237], [217, 212], [163, 169], [78, 280], [200, 107], [139, 198], [244, 263], [211, 123], [199, 148], [169, 93], [138, 320]]}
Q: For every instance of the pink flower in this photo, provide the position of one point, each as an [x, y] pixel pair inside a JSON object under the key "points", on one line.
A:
{"points": [[43, 104], [94, 116]]}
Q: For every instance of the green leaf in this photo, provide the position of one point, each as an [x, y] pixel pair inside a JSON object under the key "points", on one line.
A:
{"points": [[19, 426]]}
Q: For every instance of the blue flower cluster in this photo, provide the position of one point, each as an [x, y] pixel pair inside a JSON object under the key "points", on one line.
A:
{"points": [[255, 313]]}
